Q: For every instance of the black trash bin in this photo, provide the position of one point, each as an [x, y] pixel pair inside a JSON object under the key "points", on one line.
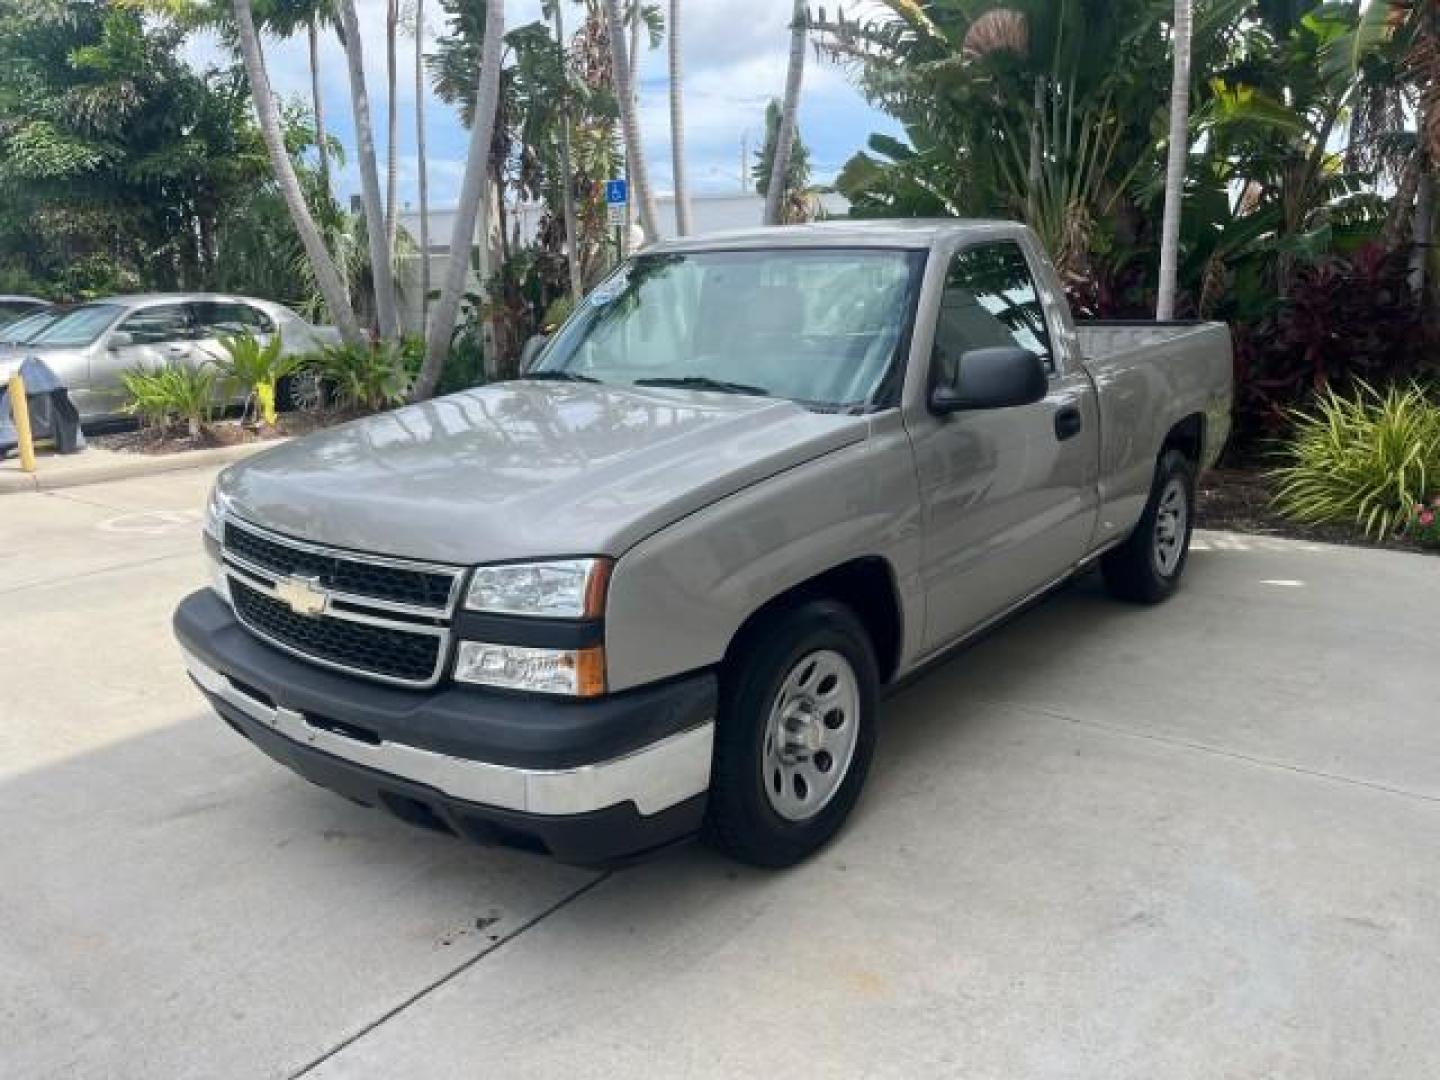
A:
{"points": [[53, 415]]}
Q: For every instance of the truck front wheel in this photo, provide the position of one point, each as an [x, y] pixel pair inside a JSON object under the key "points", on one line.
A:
{"points": [[795, 735], [1147, 567]]}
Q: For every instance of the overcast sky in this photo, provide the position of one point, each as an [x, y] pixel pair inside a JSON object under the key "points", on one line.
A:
{"points": [[735, 57]]}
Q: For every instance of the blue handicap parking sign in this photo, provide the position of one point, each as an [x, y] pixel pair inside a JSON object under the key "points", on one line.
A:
{"points": [[617, 192]]}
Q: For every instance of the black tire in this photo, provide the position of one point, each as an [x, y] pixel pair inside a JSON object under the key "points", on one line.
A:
{"points": [[1137, 570], [740, 820]]}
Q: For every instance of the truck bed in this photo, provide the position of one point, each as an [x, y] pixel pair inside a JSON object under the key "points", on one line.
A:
{"points": [[1102, 340]]}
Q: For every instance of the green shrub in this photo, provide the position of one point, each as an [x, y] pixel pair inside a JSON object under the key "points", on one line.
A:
{"points": [[1368, 458], [256, 369], [370, 376], [160, 396]]}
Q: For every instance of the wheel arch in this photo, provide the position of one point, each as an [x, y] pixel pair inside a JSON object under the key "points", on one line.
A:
{"points": [[1187, 435], [866, 585]]}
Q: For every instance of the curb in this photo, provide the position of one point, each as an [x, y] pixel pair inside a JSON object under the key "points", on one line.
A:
{"points": [[128, 466]]}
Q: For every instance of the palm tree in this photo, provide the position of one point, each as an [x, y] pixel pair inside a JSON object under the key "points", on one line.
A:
{"points": [[381, 268], [422, 168], [317, 99], [788, 111], [1175, 161], [472, 191], [327, 276], [635, 166], [677, 125], [567, 178], [392, 112]]}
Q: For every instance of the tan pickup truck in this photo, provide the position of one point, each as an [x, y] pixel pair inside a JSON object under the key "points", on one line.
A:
{"points": [[654, 587]]}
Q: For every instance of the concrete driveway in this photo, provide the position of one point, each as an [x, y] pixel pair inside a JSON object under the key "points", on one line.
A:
{"points": [[1201, 840]]}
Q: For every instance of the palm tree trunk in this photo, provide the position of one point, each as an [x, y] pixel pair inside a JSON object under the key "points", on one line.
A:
{"points": [[641, 191], [677, 124], [785, 137], [634, 70], [392, 110], [472, 191], [422, 168], [1175, 163], [327, 276], [567, 178], [317, 99], [380, 268]]}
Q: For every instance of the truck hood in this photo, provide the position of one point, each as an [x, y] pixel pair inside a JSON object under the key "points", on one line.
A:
{"points": [[527, 469]]}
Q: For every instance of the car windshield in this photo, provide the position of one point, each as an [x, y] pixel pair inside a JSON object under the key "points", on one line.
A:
{"points": [[10, 310], [79, 327], [23, 330], [817, 326]]}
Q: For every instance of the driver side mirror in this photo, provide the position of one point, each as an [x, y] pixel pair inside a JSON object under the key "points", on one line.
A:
{"points": [[995, 378], [121, 338], [531, 351]]}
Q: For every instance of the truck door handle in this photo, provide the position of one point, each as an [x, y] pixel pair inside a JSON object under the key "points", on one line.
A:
{"points": [[1068, 423]]}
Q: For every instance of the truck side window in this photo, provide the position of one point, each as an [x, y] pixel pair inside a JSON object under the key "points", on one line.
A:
{"points": [[989, 300]]}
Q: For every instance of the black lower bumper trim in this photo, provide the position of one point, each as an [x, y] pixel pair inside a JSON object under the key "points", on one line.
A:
{"points": [[521, 731], [607, 837]]}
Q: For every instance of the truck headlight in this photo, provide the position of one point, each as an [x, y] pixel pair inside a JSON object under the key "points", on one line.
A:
{"points": [[214, 521], [573, 672], [559, 589], [213, 534]]}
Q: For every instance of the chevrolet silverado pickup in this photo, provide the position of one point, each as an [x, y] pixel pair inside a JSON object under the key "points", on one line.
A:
{"points": [[654, 587]]}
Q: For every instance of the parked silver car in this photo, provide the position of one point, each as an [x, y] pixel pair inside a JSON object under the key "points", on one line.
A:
{"points": [[92, 345], [17, 307]]}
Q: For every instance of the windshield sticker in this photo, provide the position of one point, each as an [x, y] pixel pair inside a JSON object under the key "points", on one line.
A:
{"points": [[609, 290]]}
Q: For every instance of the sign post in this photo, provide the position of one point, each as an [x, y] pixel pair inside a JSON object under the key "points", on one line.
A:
{"points": [[617, 196]]}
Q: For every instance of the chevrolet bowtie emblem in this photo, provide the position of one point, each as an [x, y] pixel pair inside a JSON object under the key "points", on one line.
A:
{"points": [[303, 594]]}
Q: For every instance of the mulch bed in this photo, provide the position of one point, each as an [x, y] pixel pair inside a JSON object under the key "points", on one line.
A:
{"points": [[1239, 500], [154, 440]]}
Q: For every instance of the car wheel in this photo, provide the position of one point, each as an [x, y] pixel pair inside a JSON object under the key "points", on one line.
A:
{"points": [[794, 736], [1147, 567]]}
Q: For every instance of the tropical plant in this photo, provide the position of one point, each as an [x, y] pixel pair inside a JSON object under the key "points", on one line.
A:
{"points": [[381, 254], [472, 191], [636, 168], [1424, 527], [257, 369], [371, 376], [779, 180], [1365, 458], [326, 274], [1178, 149], [677, 125], [172, 392], [798, 201], [1345, 319]]}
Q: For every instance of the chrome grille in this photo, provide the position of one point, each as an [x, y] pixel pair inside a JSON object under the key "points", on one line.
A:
{"points": [[383, 618]]}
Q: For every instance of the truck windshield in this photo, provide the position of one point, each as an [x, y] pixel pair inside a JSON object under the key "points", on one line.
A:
{"points": [[818, 326]]}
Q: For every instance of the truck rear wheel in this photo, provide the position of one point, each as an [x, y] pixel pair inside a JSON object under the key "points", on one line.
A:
{"points": [[1147, 567], [795, 735]]}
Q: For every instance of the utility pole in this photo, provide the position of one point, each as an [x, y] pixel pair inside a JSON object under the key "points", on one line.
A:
{"points": [[744, 162]]}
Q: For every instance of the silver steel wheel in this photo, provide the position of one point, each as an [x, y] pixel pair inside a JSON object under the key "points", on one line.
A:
{"points": [[1171, 518], [811, 735]]}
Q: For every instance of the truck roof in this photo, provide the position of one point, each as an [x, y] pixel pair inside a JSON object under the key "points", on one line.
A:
{"points": [[912, 233]]}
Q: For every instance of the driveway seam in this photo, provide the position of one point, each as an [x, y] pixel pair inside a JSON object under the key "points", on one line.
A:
{"points": [[1215, 751], [434, 985], [83, 574]]}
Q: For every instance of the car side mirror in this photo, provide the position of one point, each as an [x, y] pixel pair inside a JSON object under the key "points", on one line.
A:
{"points": [[121, 338], [531, 350], [995, 378]]}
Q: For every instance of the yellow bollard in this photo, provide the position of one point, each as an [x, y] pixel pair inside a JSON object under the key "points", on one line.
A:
{"points": [[20, 410]]}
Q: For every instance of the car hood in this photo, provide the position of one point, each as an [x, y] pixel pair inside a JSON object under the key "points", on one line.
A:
{"points": [[527, 469]]}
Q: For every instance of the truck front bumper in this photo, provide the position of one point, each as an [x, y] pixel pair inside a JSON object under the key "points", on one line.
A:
{"points": [[592, 782]]}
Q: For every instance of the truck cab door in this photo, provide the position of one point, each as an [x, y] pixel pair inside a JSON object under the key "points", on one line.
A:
{"points": [[1009, 495]]}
